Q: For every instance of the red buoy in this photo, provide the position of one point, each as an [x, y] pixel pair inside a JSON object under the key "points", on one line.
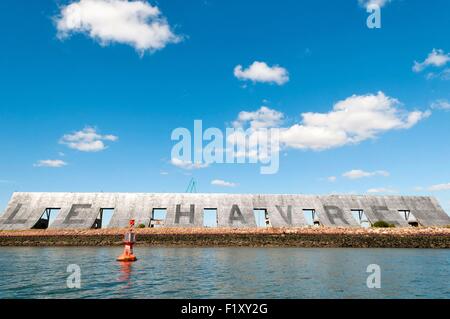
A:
{"points": [[129, 240]]}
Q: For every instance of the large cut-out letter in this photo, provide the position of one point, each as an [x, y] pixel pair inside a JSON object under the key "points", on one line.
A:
{"points": [[288, 216], [236, 215], [335, 214], [74, 212], [179, 214], [11, 221]]}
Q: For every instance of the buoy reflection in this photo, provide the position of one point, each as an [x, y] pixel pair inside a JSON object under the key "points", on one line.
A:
{"points": [[126, 269]]}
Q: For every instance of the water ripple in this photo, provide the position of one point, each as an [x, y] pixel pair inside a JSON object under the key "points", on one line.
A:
{"points": [[224, 273]]}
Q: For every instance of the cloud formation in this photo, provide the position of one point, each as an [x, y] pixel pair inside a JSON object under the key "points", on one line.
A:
{"points": [[87, 140], [437, 58], [443, 75], [135, 23], [50, 163], [261, 72], [332, 179], [351, 121], [439, 187], [371, 3], [222, 183], [262, 118], [357, 174], [441, 105], [381, 190], [187, 164]]}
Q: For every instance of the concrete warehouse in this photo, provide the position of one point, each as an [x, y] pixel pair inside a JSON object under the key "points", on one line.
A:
{"points": [[85, 210]]}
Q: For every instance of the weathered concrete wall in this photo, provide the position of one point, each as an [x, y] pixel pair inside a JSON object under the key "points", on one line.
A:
{"points": [[79, 210]]}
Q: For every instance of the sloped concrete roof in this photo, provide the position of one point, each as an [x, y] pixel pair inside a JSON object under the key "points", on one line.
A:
{"points": [[80, 210]]}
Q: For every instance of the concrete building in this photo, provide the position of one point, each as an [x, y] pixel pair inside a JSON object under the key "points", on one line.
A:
{"points": [[85, 210]]}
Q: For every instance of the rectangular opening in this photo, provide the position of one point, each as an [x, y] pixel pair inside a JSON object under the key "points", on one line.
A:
{"points": [[104, 218], [311, 217], [210, 218], [47, 218], [404, 214], [261, 218], [107, 216], [409, 217], [158, 217], [361, 218]]}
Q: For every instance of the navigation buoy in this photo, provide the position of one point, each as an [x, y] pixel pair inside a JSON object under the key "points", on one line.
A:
{"points": [[129, 240]]}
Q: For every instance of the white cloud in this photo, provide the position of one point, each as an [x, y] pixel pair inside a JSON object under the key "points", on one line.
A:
{"points": [[50, 163], [332, 179], [371, 3], [441, 105], [187, 164], [261, 72], [262, 118], [437, 58], [87, 140], [222, 183], [443, 75], [381, 190], [353, 120], [439, 187], [136, 23], [357, 174]]}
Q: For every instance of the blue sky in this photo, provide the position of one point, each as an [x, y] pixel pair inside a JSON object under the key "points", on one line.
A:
{"points": [[56, 80]]}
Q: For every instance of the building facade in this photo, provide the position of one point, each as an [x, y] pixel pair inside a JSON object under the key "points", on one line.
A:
{"points": [[84, 210]]}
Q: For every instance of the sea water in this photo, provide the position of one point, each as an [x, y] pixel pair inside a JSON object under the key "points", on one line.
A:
{"points": [[278, 273]]}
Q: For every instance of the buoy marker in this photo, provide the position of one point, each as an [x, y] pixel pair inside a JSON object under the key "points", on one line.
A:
{"points": [[129, 241]]}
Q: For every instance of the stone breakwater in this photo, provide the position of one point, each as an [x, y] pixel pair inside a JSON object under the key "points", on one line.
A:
{"points": [[218, 237]]}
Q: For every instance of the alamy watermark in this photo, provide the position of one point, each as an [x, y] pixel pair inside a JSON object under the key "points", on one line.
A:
{"points": [[374, 279], [202, 148], [74, 279], [374, 19]]}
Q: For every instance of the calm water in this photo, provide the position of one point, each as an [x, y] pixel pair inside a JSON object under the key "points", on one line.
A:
{"points": [[224, 273]]}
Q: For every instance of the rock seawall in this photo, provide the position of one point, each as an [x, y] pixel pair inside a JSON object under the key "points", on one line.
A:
{"points": [[270, 237]]}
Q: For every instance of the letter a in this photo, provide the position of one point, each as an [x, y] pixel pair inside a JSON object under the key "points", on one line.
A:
{"points": [[374, 20], [374, 279]]}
